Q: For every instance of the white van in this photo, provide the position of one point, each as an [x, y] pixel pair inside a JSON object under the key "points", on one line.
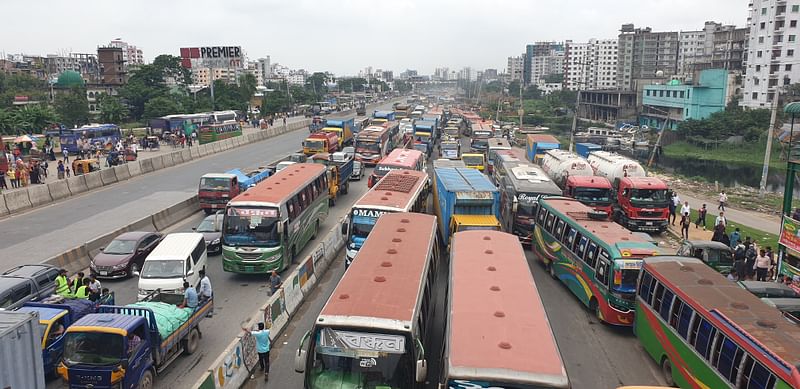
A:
{"points": [[178, 257]]}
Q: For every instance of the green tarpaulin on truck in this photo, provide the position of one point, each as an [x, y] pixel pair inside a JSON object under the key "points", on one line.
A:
{"points": [[168, 317]]}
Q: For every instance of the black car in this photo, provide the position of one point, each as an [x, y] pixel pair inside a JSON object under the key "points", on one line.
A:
{"points": [[211, 228]]}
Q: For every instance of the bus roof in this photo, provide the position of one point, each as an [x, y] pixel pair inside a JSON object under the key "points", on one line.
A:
{"points": [[527, 177], [395, 191], [384, 283], [281, 185], [443, 162], [493, 333], [405, 158], [606, 231], [764, 333], [495, 143]]}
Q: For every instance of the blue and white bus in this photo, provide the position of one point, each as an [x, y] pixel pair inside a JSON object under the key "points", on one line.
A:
{"points": [[96, 133]]}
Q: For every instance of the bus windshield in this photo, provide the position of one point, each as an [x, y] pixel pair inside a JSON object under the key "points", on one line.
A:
{"points": [[314, 144], [472, 160], [649, 197], [93, 348], [627, 280], [251, 227], [367, 147], [359, 360], [594, 195], [362, 225], [215, 184], [480, 143]]}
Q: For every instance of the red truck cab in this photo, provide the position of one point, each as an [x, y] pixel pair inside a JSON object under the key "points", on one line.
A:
{"points": [[594, 191], [641, 203], [216, 189], [321, 142]]}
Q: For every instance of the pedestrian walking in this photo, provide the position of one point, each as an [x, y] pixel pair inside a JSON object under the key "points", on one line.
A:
{"points": [[723, 200], [736, 236], [686, 210], [701, 217], [274, 282], [3, 184], [60, 169], [685, 223], [12, 176], [762, 265], [65, 152], [719, 230], [671, 217], [262, 348], [284, 120], [721, 220]]}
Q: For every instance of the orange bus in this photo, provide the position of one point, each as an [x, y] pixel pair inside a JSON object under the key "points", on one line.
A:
{"points": [[266, 227], [498, 334], [376, 328], [398, 159], [372, 144], [398, 191]]}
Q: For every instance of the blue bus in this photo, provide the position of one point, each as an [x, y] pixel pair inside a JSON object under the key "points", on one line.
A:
{"points": [[102, 133]]}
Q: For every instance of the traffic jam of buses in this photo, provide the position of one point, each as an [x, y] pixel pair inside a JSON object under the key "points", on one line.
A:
{"points": [[454, 214]]}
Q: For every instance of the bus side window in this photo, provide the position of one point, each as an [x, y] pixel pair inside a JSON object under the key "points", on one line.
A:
{"points": [[582, 247], [755, 375], [666, 304], [559, 230], [704, 337], [602, 272], [727, 357], [644, 287], [549, 224], [574, 245], [571, 238], [658, 295], [541, 217], [591, 254], [568, 232], [684, 320]]}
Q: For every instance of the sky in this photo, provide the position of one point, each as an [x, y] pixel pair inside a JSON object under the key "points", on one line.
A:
{"points": [[345, 36]]}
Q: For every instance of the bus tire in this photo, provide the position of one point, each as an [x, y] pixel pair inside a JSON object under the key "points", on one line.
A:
{"points": [[146, 382], [316, 230], [595, 307], [293, 258], [551, 269], [666, 370], [192, 341]]}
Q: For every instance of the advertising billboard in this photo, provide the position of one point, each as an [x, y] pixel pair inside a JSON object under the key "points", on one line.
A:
{"points": [[212, 57]]}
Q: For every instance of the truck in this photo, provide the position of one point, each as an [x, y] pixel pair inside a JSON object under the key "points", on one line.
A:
{"points": [[101, 349], [537, 144], [54, 319], [321, 142], [383, 116], [21, 341], [343, 129], [464, 199], [361, 108], [425, 133], [561, 164], [340, 168], [216, 189], [640, 203], [450, 149], [402, 110], [583, 149], [594, 191]]}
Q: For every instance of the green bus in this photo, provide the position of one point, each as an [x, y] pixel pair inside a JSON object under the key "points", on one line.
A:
{"points": [[218, 131], [596, 258], [707, 332], [266, 227]]}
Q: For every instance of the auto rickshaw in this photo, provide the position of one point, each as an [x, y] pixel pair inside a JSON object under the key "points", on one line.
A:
{"points": [[83, 166], [153, 143]]}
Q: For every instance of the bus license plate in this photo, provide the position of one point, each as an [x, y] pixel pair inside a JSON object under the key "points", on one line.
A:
{"points": [[648, 223], [103, 273], [249, 268]]}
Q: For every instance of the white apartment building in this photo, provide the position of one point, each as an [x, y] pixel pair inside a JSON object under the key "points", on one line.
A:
{"points": [[203, 76], [547, 65], [773, 50], [297, 78], [131, 54], [696, 48], [591, 65], [515, 68]]}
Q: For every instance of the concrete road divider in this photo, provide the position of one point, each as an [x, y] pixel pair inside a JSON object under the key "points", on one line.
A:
{"points": [[3, 208], [216, 147], [175, 213], [73, 260], [134, 168], [93, 180], [306, 276], [58, 190], [167, 160], [186, 154], [177, 157], [38, 194], [143, 224], [158, 163], [17, 200], [274, 314], [107, 176], [205, 150], [122, 172], [146, 165], [292, 292], [77, 184], [195, 151]]}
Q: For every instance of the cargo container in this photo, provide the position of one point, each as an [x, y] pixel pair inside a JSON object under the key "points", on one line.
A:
{"points": [[21, 349], [537, 144], [583, 149], [343, 129], [464, 199]]}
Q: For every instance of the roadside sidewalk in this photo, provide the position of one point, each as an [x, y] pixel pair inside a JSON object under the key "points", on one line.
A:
{"points": [[755, 220]]}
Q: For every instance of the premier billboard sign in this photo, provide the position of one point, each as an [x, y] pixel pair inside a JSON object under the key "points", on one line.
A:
{"points": [[212, 57]]}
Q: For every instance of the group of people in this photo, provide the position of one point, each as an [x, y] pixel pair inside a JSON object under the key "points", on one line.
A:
{"points": [[751, 261], [193, 296], [21, 174], [720, 223], [82, 287]]}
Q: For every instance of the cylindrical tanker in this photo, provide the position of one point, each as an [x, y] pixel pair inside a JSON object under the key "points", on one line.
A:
{"points": [[561, 164], [614, 166]]}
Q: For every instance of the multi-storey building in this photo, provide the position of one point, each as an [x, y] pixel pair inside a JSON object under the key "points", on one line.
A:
{"points": [[730, 44], [591, 65], [515, 67], [773, 50], [542, 59], [113, 70], [644, 54], [131, 54]]}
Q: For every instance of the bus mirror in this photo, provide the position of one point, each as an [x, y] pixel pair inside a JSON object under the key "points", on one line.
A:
{"points": [[280, 227], [514, 205], [300, 361], [422, 370], [344, 228]]}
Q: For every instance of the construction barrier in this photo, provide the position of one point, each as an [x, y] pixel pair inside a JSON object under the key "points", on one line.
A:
{"points": [[77, 184], [146, 165], [38, 194], [58, 190], [17, 200], [122, 172], [93, 180], [134, 168], [175, 213], [292, 293], [107, 176]]}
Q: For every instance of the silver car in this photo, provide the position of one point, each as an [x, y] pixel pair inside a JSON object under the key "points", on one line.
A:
{"points": [[358, 171]]}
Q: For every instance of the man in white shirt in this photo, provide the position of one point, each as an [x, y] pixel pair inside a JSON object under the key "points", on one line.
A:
{"points": [[721, 220], [723, 199], [685, 209], [204, 292]]}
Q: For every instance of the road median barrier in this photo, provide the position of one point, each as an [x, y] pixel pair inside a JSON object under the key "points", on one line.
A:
{"points": [[175, 213], [195, 151], [146, 165], [107, 176], [73, 260], [3, 208], [216, 147], [38, 194], [122, 172], [58, 189], [93, 180], [17, 200], [158, 162], [167, 161], [186, 154], [134, 168], [76, 185]]}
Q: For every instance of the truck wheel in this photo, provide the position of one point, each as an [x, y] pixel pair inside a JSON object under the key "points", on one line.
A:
{"points": [[551, 269], [346, 187], [192, 342], [146, 382]]}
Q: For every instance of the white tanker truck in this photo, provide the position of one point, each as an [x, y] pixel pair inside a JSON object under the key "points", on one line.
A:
{"points": [[561, 164]]}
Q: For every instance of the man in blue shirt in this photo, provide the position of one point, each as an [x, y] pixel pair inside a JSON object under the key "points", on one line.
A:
{"points": [[262, 347], [189, 296]]}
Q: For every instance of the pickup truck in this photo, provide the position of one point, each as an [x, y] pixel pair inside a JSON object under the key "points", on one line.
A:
{"points": [[54, 319], [101, 350], [340, 168], [25, 283]]}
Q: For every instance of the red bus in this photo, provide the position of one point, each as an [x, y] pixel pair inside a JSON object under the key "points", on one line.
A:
{"points": [[372, 144], [398, 159], [498, 334], [375, 330], [398, 191]]}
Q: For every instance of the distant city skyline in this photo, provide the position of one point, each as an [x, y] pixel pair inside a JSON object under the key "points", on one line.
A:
{"points": [[346, 37]]}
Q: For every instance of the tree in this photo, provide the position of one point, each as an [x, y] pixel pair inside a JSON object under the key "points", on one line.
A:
{"points": [[73, 107], [532, 92], [317, 83], [402, 86], [274, 102], [161, 106], [171, 68], [111, 109], [150, 81]]}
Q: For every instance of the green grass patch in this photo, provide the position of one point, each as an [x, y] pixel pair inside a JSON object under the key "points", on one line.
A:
{"points": [[762, 237], [746, 153]]}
